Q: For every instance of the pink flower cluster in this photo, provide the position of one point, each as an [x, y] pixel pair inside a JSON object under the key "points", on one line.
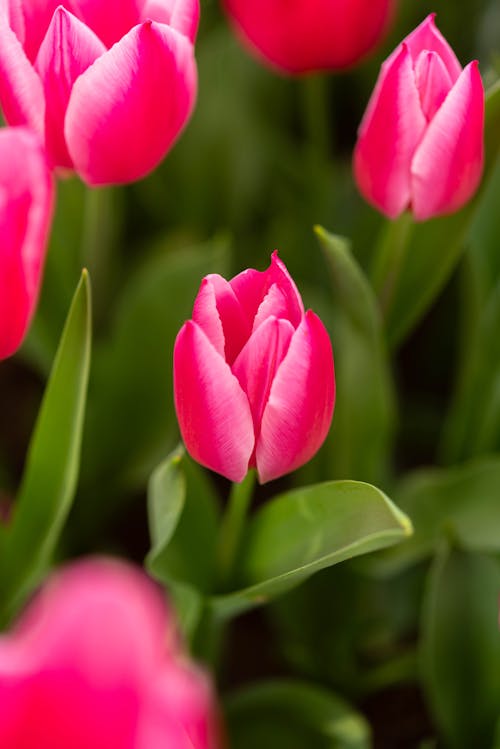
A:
{"points": [[254, 378], [107, 86], [96, 662]]}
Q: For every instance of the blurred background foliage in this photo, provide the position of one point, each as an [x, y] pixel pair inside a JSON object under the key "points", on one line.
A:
{"points": [[408, 635]]}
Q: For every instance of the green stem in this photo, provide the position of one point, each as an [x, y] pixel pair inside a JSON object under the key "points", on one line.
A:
{"points": [[317, 124], [99, 241], [233, 523], [389, 257]]}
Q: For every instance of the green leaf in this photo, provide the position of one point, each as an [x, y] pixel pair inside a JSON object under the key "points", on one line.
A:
{"points": [[51, 471], [293, 715], [359, 441], [413, 261], [462, 501], [460, 647], [306, 530], [183, 521]]}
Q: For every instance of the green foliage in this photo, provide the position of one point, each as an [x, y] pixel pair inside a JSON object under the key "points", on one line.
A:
{"points": [[51, 472]]}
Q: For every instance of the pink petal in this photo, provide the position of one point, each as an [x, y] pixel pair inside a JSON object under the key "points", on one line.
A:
{"points": [[427, 37], [299, 411], [21, 92], [110, 20], [389, 134], [94, 639], [181, 712], [212, 409], [37, 15], [128, 108], [69, 47], [252, 286], [258, 362], [218, 313], [448, 163], [12, 12], [182, 15], [307, 35], [433, 82], [26, 205]]}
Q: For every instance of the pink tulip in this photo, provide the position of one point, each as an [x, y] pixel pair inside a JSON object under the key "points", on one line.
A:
{"points": [[420, 144], [95, 662], [300, 36], [107, 85], [26, 204], [254, 381]]}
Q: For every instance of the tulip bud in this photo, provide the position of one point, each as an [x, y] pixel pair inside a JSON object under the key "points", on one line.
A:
{"points": [[26, 204], [309, 35], [420, 144], [254, 381], [108, 86], [95, 662]]}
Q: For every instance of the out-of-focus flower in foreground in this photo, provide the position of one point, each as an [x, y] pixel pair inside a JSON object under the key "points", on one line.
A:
{"points": [[95, 662], [301, 36], [420, 144], [254, 381], [107, 85], [26, 205]]}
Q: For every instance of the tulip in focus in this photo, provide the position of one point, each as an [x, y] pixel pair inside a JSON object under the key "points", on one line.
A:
{"points": [[95, 662], [301, 36], [107, 85], [254, 381], [420, 144], [26, 206]]}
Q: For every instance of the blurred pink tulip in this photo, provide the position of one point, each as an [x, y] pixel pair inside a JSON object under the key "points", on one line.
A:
{"points": [[301, 36], [254, 380], [420, 144], [95, 662], [26, 205], [108, 86]]}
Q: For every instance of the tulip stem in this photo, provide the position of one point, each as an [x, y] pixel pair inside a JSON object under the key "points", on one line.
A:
{"points": [[233, 523], [317, 125], [389, 258]]}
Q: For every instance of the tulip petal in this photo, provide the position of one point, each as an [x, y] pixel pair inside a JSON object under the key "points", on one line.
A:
{"points": [[389, 134], [90, 643], [218, 313], [433, 82], [182, 15], [212, 409], [252, 286], [110, 20], [37, 15], [428, 37], [299, 410], [128, 108], [258, 362], [448, 163], [26, 205], [21, 92], [69, 47]]}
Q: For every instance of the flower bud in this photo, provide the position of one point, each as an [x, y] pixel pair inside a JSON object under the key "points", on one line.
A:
{"points": [[302, 36], [95, 661], [420, 144], [254, 381]]}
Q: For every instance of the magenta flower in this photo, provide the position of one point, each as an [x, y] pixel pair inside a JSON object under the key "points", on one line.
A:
{"points": [[95, 662], [254, 380], [107, 85], [420, 144], [26, 205], [301, 36]]}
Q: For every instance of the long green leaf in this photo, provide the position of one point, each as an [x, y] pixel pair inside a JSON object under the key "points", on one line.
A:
{"points": [[51, 471], [306, 530]]}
